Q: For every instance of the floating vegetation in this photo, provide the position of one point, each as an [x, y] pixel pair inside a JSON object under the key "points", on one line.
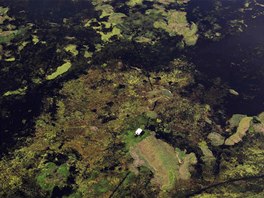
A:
{"points": [[242, 128], [35, 39], [216, 139], [52, 175], [20, 91], [60, 70], [72, 49], [109, 99], [176, 23], [167, 165], [119, 25]]}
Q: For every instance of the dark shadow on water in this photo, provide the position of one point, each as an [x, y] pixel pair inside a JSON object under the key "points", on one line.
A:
{"points": [[16, 119], [239, 61]]}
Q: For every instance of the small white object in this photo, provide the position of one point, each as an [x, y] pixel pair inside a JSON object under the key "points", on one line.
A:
{"points": [[138, 131], [233, 92]]}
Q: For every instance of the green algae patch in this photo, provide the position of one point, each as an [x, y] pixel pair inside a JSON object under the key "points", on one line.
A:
{"points": [[116, 18], [46, 172], [22, 45], [131, 139], [235, 119], [106, 10], [59, 71], [90, 126], [216, 139], [20, 91], [9, 35], [243, 127], [35, 39], [52, 175], [261, 117], [175, 23], [72, 49], [12, 59], [133, 3], [3, 14], [102, 186], [169, 165], [209, 161], [143, 27], [161, 158], [88, 54], [3, 10], [248, 162], [106, 36]]}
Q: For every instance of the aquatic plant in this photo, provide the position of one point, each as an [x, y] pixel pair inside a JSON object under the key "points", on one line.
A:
{"points": [[8, 36], [167, 165], [60, 70], [216, 139], [133, 3], [175, 23], [11, 32], [235, 119], [122, 26], [72, 49], [35, 39], [52, 175], [251, 156], [90, 125], [243, 127], [209, 161], [20, 91]]}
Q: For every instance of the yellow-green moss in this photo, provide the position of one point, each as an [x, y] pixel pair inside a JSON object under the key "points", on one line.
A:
{"points": [[175, 23], [12, 59], [20, 91], [243, 127], [60, 70], [133, 3], [35, 39], [167, 165], [72, 49]]}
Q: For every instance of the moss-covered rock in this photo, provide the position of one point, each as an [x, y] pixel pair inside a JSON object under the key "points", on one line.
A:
{"points": [[235, 119], [242, 128], [209, 161], [216, 139], [167, 165]]}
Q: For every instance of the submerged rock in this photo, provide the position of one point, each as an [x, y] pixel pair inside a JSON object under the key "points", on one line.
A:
{"points": [[216, 139], [233, 92], [168, 165], [235, 120], [243, 127], [209, 161]]}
